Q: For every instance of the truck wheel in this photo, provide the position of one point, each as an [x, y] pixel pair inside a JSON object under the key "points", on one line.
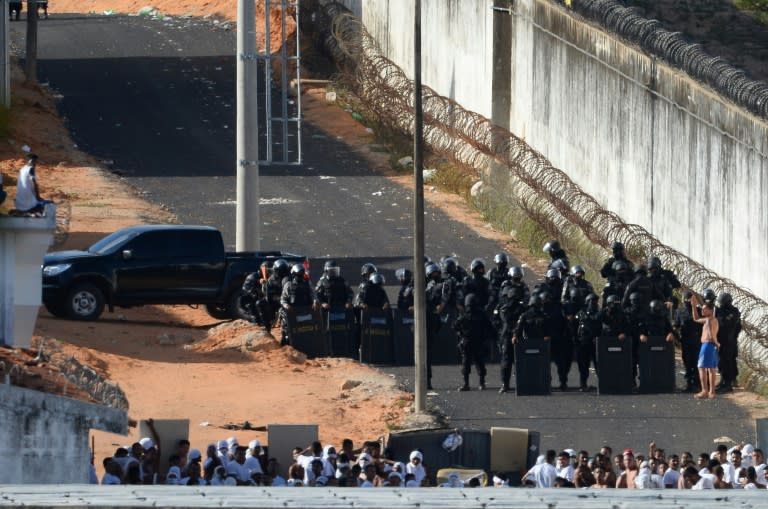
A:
{"points": [[85, 302], [218, 311]]}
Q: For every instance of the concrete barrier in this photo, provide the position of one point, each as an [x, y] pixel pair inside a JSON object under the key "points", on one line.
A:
{"points": [[23, 243]]}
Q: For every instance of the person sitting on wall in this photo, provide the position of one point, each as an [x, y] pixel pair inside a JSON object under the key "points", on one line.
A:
{"points": [[28, 200]]}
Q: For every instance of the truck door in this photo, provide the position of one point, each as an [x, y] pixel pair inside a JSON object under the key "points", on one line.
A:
{"points": [[145, 276], [199, 260]]}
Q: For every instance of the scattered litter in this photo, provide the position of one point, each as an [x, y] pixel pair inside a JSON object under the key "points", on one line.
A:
{"points": [[109, 12], [205, 423], [26, 148], [147, 11], [357, 116], [432, 189], [377, 193], [330, 96], [405, 161], [326, 177], [369, 130], [428, 174]]}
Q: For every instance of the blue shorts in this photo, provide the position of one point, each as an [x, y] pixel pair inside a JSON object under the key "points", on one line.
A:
{"points": [[708, 355]]}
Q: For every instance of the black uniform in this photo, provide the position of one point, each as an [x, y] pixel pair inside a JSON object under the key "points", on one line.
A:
{"points": [[297, 292], [608, 271], [434, 296], [474, 332], [480, 287], [269, 305], [405, 296], [334, 291], [689, 332], [729, 320], [588, 329], [497, 276], [637, 315], [535, 323], [373, 296], [252, 294], [656, 324], [643, 286], [617, 285], [508, 310], [562, 341]]}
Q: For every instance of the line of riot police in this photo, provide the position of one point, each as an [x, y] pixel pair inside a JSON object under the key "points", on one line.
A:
{"points": [[497, 309]]}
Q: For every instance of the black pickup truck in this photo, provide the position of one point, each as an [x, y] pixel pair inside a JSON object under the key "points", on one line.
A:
{"points": [[151, 264]]}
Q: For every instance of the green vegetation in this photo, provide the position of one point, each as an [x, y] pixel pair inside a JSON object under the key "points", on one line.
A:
{"points": [[758, 9]]}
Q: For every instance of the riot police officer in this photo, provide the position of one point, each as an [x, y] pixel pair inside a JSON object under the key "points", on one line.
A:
{"points": [[372, 294], [689, 332], [588, 328], [608, 271], [656, 323], [515, 281], [709, 297], [365, 275], [332, 291], [498, 275], [729, 319], [620, 279], [509, 309], [297, 292], [637, 314], [405, 294], [474, 331], [434, 297], [477, 284], [272, 290], [576, 289], [552, 284], [643, 287], [452, 298], [534, 323], [252, 294], [557, 253], [660, 283], [654, 265], [614, 320], [562, 342]]}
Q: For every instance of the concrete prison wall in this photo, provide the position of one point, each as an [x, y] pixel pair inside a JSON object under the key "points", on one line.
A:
{"points": [[646, 140], [44, 438]]}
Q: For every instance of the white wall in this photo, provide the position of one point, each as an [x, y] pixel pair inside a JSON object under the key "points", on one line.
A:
{"points": [[646, 141]]}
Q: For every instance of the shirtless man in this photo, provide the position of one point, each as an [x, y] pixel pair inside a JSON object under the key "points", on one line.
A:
{"points": [[709, 347]]}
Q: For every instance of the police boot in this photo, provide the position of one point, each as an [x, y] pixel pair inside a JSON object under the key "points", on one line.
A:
{"points": [[465, 387], [482, 383]]}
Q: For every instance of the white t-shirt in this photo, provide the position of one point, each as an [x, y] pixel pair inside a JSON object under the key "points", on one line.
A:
{"points": [[566, 472], [239, 471], [417, 470], [545, 475], [707, 482], [253, 464], [25, 189], [670, 478]]}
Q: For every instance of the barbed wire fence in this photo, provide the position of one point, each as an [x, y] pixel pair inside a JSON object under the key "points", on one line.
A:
{"points": [[544, 192], [673, 48], [87, 379]]}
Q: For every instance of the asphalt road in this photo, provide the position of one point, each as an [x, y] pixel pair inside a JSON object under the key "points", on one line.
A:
{"points": [[156, 99]]}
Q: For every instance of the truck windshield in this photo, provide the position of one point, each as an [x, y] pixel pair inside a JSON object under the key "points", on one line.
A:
{"points": [[109, 243]]}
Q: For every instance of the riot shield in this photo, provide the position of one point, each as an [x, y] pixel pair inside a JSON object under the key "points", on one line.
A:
{"points": [[339, 328], [402, 327], [614, 365], [532, 369], [656, 360], [445, 350], [376, 337], [304, 331]]}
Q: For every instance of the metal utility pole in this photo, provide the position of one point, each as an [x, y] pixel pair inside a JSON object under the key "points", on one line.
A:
{"points": [[247, 221], [419, 297], [31, 67]]}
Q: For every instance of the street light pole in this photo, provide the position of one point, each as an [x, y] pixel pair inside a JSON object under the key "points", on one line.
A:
{"points": [[419, 278], [247, 221]]}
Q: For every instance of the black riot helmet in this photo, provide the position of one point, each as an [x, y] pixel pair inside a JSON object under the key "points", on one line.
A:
{"points": [[576, 269], [575, 295], [618, 249], [449, 265], [432, 269], [298, 270], [709, 296], [545, 297], [405, 276], [634, 299], [516, 273], [641, 269], [657, 307], [724, 300], [613, 301], [501, 260], [654, 263], [591, 302], [376, 279], [331, 269], [552, 246], [367, 269], [560, 265], [477, 266], [553, 274], [281, 268]]}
